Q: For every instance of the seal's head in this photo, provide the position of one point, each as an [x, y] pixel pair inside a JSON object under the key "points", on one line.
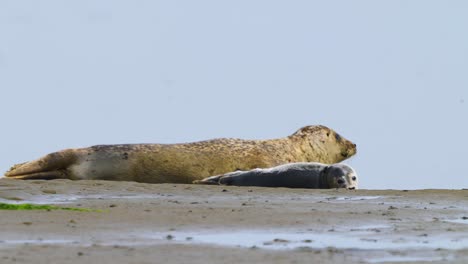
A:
{"points": [[341, 176], [330, 145]]}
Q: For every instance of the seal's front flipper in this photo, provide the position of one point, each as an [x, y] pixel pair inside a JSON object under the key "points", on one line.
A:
{"points": [[213, 180]]}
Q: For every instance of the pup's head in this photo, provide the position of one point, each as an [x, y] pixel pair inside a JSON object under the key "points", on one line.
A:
{"points": [[341, 176]]}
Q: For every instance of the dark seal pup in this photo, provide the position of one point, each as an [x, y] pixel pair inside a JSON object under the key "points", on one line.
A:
{"points": [[294, 175], [184, 163]]}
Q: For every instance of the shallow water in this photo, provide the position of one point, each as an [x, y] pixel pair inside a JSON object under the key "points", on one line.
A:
{"points": [[272, 239], [359, 239], [407, 259], [15, 242], [357, 198], [458, 221], [69, 198], [65, 198]]}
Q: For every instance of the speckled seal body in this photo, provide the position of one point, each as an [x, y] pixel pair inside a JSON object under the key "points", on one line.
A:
{"points": [[184, 163], [312, 175]]}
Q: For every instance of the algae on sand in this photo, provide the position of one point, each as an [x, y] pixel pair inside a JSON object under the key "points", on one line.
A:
{"points": [[27, 206]]}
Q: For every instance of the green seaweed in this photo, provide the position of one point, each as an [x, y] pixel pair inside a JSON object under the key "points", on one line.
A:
{"points": [[27, 206]]}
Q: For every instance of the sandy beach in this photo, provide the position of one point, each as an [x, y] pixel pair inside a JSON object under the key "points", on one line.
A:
{"points": [[174, 223]]}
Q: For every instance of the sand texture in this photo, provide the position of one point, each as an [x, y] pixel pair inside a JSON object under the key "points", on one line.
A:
{"points": [[177, 223]]}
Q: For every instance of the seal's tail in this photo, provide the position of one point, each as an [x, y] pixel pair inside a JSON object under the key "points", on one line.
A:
{"points": [[51, 166], [213, 180]]}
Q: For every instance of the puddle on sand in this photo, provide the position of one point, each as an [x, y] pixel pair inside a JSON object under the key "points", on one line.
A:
{"points": [[281, 240], [36, 242], [67, 198], [362, 239], [356, 198], [64, 198], [408, 259], [458, 221]]}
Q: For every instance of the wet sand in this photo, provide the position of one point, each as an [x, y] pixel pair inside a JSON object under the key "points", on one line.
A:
{"points": [[175, 223]]}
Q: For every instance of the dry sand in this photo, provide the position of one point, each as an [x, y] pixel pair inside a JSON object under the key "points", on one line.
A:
{"points": [[168, 223]]}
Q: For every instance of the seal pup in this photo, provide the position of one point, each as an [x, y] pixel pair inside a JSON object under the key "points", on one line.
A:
{"points": [[184, 163], [293, 175]]}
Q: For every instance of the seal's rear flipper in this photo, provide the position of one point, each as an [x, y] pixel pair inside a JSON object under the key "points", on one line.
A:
{"points": [[49, 175], [51, 166], [213, 180]]}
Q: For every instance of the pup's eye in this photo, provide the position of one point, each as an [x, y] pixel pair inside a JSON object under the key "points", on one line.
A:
{"points": [[340, 181], [353, 178]]}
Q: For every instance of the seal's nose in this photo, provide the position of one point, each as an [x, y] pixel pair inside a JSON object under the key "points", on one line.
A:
{"points": [[351, 188]]}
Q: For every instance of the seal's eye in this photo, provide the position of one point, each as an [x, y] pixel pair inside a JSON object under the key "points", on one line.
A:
{"points": [[340, 181], [338, 137], [353, 178]]}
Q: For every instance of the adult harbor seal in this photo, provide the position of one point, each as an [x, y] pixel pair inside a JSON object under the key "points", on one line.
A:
{"points": [[293, 175], [184, 163]]}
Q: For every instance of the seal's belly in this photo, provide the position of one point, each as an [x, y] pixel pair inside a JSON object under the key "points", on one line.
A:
{"points": [[102, 166]]}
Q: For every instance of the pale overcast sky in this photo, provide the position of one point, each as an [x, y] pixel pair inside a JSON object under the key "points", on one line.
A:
{"points": [[392, 76]]}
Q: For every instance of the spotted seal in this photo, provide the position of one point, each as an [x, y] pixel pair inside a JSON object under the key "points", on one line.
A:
{"points": [[312, 175], [184, 163]]}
